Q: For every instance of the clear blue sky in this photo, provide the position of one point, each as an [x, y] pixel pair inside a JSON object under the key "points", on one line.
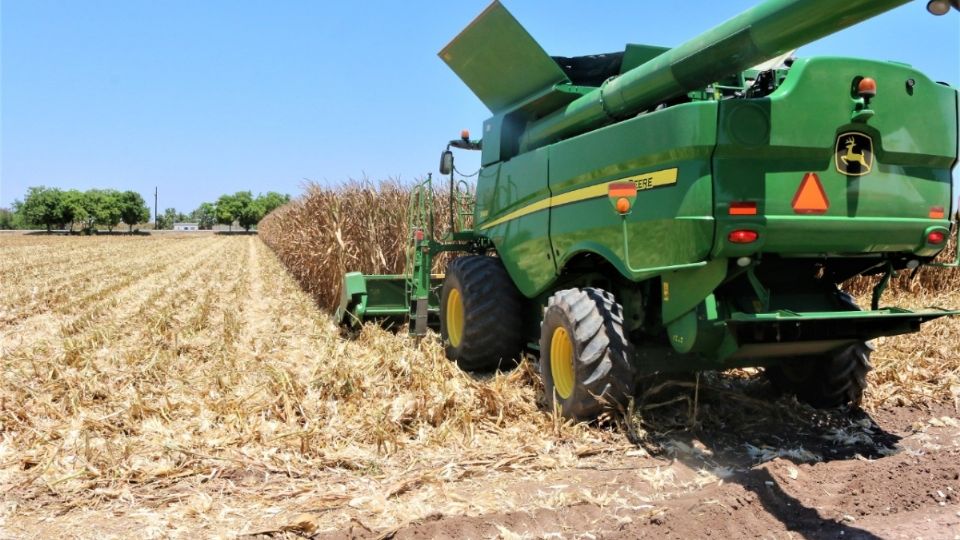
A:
{"points": [[207, 97]]}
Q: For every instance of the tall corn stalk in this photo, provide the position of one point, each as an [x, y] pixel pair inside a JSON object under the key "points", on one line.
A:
{"points": [[356, 226]]}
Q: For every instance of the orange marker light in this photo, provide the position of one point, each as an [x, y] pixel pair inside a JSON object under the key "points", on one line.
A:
{"points": [[622, 195], [465, 134], [810, 197], [743, 208], [937, 212], [867, 87], [622, 189]]}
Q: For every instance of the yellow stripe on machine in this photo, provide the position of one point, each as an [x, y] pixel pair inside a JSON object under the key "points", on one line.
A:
{"points": [[645, 181]]}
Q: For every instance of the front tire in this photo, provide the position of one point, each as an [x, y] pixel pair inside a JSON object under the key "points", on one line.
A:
{"points": [[584, 354], [480, 314]]}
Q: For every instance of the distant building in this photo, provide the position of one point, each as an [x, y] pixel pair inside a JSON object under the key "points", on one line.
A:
{"points": [[186, 226]]}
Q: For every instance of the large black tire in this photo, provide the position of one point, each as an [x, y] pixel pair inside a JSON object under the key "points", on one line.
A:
{"points": [[489, 331], [827, 381], [597, 355], [830, 380]]}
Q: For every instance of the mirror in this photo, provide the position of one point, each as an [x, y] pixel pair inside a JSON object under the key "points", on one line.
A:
{"points": [[446, 162]]}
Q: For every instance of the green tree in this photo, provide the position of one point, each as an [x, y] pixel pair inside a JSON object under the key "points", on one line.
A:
{"points": [[249, 210], [205, 215], [112, 212], [8, 219], [132, 209], [103, 207], [42, 206], [168, 218], [272, 200], [228, 210], [73, 208]]}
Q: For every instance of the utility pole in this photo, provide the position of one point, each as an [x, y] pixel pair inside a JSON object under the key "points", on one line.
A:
{"points": [[156, 216]]}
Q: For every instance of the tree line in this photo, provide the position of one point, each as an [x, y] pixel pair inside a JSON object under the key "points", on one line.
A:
{"points": [[67, 209], [87, 210], [241, 208]]}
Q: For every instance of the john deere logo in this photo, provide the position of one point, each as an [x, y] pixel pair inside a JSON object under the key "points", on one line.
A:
{"points": [[854, 154]]}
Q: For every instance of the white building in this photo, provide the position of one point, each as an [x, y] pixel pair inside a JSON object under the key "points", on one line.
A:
{"points": [[186, 226]]}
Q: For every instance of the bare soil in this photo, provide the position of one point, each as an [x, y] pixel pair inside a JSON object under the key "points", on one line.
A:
{"points": [[911, 491]]}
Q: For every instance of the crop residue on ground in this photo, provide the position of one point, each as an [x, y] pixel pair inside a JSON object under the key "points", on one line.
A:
{"points": [[187, 383]]}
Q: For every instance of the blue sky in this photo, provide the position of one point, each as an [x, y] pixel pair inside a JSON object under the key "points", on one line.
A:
{"points": [[207, 97]]}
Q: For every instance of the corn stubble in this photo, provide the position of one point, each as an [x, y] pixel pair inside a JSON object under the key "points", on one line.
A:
{"points": [[201, 369]]}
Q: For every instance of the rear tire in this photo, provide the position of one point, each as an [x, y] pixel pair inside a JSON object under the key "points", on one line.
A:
{"points": [[828, 381], [480, 314], [584, 354]]}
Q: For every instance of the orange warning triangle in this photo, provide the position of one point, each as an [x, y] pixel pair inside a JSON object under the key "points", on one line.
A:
{"points": [[810, 197]]}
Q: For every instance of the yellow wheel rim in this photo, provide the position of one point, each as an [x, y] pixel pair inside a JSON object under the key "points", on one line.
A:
{"points": [[455, 317], [561, 362]]}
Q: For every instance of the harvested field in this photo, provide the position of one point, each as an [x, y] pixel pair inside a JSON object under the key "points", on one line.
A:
{"points": [[186, 386]]}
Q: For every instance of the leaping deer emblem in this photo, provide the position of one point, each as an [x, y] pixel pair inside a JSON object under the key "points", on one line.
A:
{"points": [[853, 157]]}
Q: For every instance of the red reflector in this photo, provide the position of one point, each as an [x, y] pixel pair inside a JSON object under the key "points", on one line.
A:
{"points": [[418, 235], [744, 208], [937, 212], [810, 197], [936, 238], [743, 236], [622, 189]]}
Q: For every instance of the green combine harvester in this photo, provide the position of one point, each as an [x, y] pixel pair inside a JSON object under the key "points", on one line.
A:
{"points": [[676, 210]]}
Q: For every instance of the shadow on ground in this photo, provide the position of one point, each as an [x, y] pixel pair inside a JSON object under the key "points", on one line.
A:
{"points": [[735, 421]]}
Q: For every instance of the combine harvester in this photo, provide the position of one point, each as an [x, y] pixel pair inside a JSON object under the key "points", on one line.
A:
{"points": [[675, 210]]}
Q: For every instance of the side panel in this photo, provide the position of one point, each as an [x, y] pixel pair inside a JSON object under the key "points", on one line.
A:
{"points": [[670, 223], [513, 211]]}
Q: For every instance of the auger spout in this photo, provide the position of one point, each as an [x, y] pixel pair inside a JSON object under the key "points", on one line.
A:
{"points": [[756, 35]]}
